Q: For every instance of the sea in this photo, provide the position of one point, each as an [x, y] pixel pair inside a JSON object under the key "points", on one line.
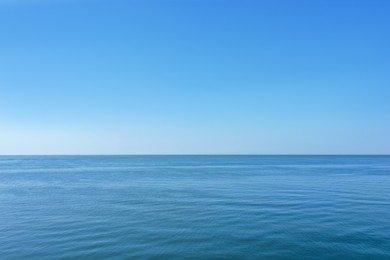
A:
{"points": [[195, 207]]}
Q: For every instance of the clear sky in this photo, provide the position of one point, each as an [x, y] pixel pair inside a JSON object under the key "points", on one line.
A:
{"points": [[194, 76]]}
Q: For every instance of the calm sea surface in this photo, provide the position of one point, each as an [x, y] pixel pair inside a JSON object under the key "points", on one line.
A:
{"points": [[195, 207]]}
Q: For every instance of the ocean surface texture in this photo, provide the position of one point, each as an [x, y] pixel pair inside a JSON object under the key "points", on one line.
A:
{"points": [[195, 207]]}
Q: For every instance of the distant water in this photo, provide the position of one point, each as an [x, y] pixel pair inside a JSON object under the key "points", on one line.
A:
{"points": [[195, 207]]}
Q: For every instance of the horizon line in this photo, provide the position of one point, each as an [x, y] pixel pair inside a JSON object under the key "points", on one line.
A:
{"points": [[206, 154]]}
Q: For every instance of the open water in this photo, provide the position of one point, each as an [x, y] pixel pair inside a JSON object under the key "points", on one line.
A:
{"points": [[195, 207]]}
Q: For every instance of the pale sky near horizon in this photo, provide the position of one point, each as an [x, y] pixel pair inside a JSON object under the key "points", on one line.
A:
{"points": [[194, 76]]}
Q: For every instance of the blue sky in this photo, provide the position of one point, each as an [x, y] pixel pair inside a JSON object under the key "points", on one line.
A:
{"points": [[194, 76]]}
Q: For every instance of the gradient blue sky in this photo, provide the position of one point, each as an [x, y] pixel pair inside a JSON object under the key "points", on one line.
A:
{"points": [[194, 76]]}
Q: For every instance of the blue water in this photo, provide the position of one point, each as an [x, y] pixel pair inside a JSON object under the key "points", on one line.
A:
{"points": [[195, 207]]}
